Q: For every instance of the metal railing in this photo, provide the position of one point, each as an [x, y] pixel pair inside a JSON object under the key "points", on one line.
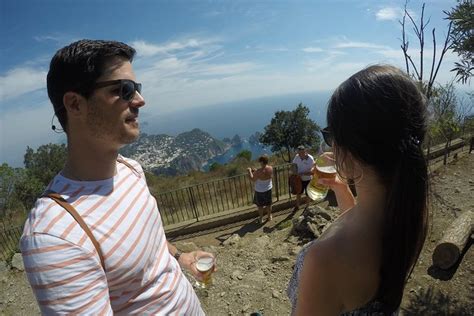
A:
{"points": [[217, 196], [9, 239], [199, 201], [233, 193]]}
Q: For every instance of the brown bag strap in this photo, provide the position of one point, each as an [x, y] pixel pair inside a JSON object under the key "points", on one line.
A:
{"points": [[71, 210], [121, 160]]}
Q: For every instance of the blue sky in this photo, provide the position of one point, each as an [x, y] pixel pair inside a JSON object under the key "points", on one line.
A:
{"points": [[193, 54]]}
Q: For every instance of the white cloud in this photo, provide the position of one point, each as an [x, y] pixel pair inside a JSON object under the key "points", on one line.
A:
{"points": [[389, 14], [30, 127], [46, 38], [20, 81], [148, 50], [355, 44], [313, 50]]}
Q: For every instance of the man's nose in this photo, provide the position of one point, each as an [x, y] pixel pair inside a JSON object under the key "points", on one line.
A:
{"points": [[138, 101]]}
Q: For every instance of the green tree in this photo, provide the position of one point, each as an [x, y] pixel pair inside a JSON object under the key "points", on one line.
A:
{"points": [[215, 166], [9, 202], [28, 189], [448, 114], [245, 154], [462, 37], [40, 168], [46, 162], [289, 129]]}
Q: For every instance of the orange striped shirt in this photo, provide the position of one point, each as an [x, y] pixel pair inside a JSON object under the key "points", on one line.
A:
{"points": [[64, 268]]}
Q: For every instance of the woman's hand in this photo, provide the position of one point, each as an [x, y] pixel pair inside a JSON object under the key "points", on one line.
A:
{"points": [[335, 184]]}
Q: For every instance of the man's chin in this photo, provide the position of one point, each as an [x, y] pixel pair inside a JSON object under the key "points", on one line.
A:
{"points": [[130, 137]]}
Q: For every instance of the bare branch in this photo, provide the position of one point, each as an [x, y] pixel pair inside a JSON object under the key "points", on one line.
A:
{"points": [[404, 45], [414, 67], [422, 41], [444, 50], [415, 27], [430, 83]]}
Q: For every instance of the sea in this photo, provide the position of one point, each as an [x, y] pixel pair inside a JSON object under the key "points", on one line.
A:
{"points": [[242, 118], [256, 149]]}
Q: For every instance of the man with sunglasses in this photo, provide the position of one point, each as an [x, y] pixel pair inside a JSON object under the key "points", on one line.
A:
{"points": [[305, 165], [94, 243]]}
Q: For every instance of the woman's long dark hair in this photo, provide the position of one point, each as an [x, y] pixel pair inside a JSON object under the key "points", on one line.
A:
{"points": [[378, 117]]}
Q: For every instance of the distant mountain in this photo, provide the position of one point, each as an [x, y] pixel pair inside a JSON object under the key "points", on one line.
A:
{"points": [[254, 139], [172, 155]]}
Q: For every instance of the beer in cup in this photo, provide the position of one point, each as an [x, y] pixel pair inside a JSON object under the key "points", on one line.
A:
{"points": [[205, 265], [324, 168]]}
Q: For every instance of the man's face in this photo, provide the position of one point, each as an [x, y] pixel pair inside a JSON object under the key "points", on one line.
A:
{"points": [[302, 153], [110, 119]]}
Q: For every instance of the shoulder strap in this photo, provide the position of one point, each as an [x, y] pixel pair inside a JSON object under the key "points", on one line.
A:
{"points": [[121, 160], [71, 210]]}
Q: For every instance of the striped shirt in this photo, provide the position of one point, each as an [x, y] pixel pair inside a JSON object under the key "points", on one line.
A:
{"points": [[63, 267]]}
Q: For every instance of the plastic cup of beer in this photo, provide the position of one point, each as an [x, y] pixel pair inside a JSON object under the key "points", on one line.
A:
{"points": [[205, 265], [324, 168]]}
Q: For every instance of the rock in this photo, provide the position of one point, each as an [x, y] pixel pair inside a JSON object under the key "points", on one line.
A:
{"points": [[292, 239], [211, 249], [232, 240], [223, 294], [3, 266], [457, 190], [186, 246], [256, 275], [295, 250], [275, 294], [236, 275], [297, 222], [324, 214], [262, 242], [280, 259], [17, 262], [313, 228]]}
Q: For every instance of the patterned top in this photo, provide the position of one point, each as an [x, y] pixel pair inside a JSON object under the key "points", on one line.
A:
{"points": [[63, 267], [373, 308]]}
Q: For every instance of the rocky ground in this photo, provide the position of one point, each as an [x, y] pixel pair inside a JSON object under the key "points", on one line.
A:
{"points": [[256, 261]]}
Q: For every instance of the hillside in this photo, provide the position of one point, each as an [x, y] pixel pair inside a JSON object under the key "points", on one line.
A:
{"points": [[255, 261], [173, 155]]}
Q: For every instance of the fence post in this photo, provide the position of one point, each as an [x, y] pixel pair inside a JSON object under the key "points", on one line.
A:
{"points": [[193, 203], [429, 149], [277, 184], [446, 150]]}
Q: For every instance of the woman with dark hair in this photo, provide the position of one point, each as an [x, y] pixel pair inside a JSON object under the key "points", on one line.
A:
{"points": [[360, 264]]}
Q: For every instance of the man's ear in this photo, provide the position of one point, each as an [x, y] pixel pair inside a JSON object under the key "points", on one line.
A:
{"points": [[74, 103]]}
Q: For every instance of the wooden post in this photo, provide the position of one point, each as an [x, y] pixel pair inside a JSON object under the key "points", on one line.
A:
{"points": [[448, 250]]}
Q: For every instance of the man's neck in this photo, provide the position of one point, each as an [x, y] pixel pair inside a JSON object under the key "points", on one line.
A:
{"points": [[90, 162]]}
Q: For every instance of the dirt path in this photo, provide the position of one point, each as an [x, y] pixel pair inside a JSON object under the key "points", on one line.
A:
{"points": [[254, 270], [265, 258]]}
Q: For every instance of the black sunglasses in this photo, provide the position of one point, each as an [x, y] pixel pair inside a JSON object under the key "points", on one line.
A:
{"points": [[128, 88], [327, 136]]}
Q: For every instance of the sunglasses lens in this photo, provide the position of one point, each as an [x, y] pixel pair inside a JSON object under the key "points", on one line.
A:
{"points": [[327, 136], [128, 90]]}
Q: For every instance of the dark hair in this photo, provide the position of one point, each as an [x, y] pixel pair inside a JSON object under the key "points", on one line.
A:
{"points": [[76, 68], [263, 159], [378, 117]]}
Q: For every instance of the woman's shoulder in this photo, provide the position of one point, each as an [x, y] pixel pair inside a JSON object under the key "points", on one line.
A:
{"points": [[351, 263]]}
